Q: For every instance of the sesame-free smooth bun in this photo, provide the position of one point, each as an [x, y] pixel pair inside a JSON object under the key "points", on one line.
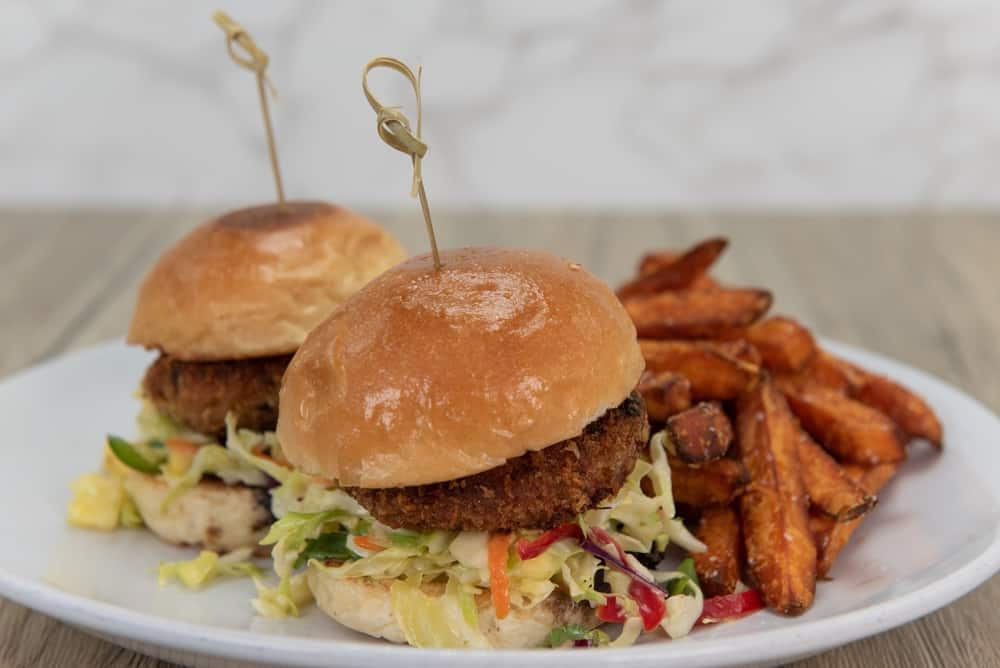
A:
{"points": [[255, 281], [428, 375]]}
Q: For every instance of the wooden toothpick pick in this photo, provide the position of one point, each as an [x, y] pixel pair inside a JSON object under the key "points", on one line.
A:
{"points": [[394, 129], [255, 60]]}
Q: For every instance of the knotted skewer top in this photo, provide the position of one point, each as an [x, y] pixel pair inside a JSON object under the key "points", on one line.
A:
{"points": [[395, 130], [255, 60]]}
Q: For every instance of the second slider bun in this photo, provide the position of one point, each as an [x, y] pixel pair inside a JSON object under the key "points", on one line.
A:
{"points": [[430, 375], [253, 282]]}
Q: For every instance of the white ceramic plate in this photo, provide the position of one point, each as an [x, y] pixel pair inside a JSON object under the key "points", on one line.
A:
{"points": [[933, 537]]}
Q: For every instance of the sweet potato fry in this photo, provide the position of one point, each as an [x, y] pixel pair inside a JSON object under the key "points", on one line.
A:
{"points": [[718, 567], [781, 554], [831, 536], [830, 489], [904, 407], [715, 369], [665, 393], [740, 349], [700, 434], [852, 431], [821, 526], [692, 314], [666, 355], [713, 484], [679, 272], [784, 344], [823, 369], [651, 262], [907, 409]]}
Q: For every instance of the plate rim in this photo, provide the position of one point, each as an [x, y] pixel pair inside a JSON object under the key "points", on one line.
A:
{"points": [[767, 645]]}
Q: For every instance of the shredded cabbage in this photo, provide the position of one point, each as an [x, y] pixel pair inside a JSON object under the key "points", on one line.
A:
{"points": [[301, 494], [578, 573], [219, 461], [678, 533], [206, 567], [235, 463], [284, 600], [637, 521], [683, 612], [631, 630], [101, 502], [97, 502], [290, 533], [243, 442], [153, 424], [289, 536], [448, 621], [129, 515], [181, 474], [641, 523]]}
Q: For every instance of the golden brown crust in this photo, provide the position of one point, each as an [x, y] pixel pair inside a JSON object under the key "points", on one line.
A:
{"points": [[537, 490], [718, 567], [198, 395], [430, 375], [780, 551], [255, 281]]}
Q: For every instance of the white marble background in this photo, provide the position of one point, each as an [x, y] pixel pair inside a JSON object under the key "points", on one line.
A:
{"points": [[682, 103]]}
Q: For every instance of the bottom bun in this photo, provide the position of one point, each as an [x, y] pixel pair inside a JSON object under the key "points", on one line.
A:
{"points": [[364, 604], [211, 514]]}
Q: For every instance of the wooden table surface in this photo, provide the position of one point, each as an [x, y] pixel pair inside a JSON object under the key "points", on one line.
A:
{"points": [[924, 289]]}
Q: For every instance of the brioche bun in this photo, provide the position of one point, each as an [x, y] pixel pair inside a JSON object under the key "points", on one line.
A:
{"points": [[211, 515], [365, 605], [429, 375], [255, 281]]}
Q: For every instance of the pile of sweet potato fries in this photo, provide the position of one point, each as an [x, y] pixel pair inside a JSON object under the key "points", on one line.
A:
{"points": [[778, 448]]}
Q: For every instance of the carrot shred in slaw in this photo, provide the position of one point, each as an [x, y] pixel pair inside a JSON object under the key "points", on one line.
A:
{"points": [[499, 584], [368, 544]]}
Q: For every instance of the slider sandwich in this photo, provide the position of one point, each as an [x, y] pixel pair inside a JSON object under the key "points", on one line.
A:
{"points": [[472, 464], [225, 308]]}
